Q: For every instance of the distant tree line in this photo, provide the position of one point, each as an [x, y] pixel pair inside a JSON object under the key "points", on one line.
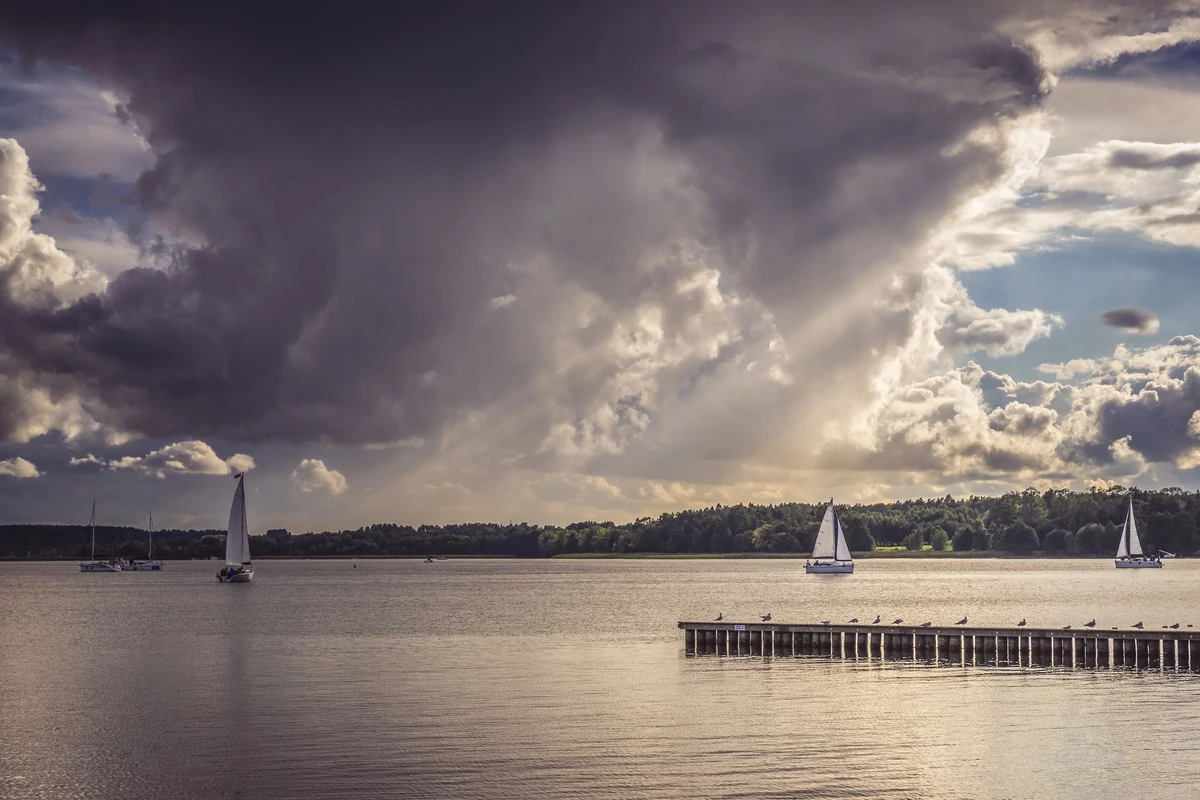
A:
{"points": [[1055, 521]]}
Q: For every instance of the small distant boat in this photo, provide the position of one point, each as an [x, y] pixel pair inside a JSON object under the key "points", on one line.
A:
{"points": [[149, 565], [94, 565], [1129, 551], [1165, 554], [238, 568], [831, 553]]}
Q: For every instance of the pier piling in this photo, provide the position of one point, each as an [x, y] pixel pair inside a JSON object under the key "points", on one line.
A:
{"points": [[1142, 649]]}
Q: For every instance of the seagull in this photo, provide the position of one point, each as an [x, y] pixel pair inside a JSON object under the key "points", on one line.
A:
{"points": [[1138, 625], [767, 618], [897, 621], [1021, 624], [1066, 627], [962, 621], [1091, 624], [926, 624], [1174, 627], [824, 622], [853, 620], [876, 622], [720, 616]]}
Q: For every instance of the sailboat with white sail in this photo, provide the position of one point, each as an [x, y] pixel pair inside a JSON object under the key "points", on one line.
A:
{"points": [[831, 553], [1129, 550], [94, 565], [238, 568], [149, 564]]}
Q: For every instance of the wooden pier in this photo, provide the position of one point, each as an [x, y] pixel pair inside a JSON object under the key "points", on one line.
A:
{"points": [[1159, 648]]}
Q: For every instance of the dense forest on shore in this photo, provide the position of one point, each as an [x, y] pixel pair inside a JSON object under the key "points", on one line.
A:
{"points": [[1054, 522]]}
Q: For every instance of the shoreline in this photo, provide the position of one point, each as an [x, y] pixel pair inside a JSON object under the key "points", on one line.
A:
{"points": [[862, 556]]}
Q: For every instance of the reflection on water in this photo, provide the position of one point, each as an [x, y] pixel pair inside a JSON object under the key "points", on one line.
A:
{"points": [[479, 679]]}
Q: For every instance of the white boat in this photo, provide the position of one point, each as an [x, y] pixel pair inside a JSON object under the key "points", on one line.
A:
{"points": [[1129, 551], [238, 568], [94, 565], [831, 553], [149, 565]]}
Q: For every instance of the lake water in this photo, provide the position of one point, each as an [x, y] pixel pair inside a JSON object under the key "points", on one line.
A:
{"points": [[549, 679]]}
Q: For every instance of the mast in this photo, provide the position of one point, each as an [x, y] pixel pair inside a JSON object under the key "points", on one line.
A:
{"points": [[93, 524], [245, 532], [150, 553]]}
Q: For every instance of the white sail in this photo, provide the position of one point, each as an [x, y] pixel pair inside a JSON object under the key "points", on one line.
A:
{"points": [[826, 546], [842, 550], [1135, 544], [237, 539]]}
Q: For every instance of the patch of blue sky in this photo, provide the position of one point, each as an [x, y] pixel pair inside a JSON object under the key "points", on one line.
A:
{"points": [[1181, 59], [1081, 280]]}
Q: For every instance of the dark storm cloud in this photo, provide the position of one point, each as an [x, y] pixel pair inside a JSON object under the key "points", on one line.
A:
{"points": [[1130, 319], [1158, 421], [347, 189]]}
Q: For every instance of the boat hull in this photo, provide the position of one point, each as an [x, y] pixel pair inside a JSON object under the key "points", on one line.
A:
{"points": [[99, 566], [146, 566], [1137, 563], [829, 569], [242, 576]]}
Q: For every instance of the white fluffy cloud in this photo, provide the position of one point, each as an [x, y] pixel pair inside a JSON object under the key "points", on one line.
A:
{"points": [[967, 328], [1146, 188], [39, 275], [35, 270], [18, 468], [1124, 415], [191, 457], [311, 475]]}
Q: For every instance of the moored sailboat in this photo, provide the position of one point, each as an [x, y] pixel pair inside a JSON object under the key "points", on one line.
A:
{"points": [[238, 568], [149, 564], [1129, 550], [94, 565], [831, 552]]}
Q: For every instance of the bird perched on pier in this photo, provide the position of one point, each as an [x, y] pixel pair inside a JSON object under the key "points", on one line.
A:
{"points": [[962, 621], [720, 616], [1021, 624], [897, 621], [824, 622], [1091, 624], [853, 621], [926, 624], [1137, 625], [1066, 627], [877, 618], [1174, 627], [767, 618]]}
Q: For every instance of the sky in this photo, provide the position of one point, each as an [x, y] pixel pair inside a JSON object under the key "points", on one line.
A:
{"points": [[554, 262]]}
